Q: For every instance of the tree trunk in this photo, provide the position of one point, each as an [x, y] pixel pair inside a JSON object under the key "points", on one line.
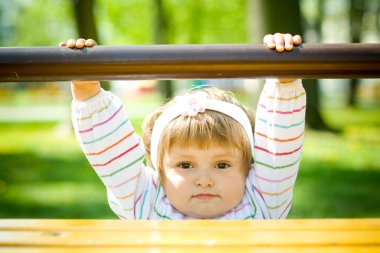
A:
{"points": [[377, 21], [271, 16], [86, 25], [161, 36], [85, 19], [356, 20]]}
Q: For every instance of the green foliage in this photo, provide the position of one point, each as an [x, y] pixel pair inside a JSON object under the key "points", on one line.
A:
{"points": [[124, 22], [208, 21], [190, 22], [36, 23], [46, 23]]}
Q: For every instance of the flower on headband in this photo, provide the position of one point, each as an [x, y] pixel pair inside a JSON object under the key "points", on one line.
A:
{"points": [[191, 104]]}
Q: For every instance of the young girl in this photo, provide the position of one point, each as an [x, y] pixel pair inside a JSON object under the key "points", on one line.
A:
{"points": [[199, 150]]}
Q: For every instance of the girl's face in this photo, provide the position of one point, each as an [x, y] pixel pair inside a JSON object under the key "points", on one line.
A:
{"points": [[203, 183]]}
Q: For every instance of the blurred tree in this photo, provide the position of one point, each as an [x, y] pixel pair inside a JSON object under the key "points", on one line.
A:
{"points": [[207, 21], [270, 16], [356, 21], [194, 22], [161, 36], [2, 25], [85, 23], [85, 18], [34, 23], [160, 22], [377, 20]]}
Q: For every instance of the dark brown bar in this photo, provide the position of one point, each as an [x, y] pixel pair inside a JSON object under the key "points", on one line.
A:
{"points": [[29, 64]]}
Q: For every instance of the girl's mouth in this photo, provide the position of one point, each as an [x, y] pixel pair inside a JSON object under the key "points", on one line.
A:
{"points": [[204, 196]]}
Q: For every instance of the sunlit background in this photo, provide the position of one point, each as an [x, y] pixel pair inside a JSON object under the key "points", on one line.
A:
{"points": [[43, 173]]}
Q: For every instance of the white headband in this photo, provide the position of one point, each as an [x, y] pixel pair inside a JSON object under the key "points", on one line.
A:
{"points": [[190, 105]]}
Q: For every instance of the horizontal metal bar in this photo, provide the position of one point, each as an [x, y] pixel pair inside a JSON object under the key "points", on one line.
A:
{"points": [[188, 62]]}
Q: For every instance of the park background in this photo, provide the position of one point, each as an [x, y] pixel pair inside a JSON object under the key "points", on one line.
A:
{"points": [[43, 173]]}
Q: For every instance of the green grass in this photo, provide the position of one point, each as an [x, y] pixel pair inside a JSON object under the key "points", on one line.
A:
{"points": [[43, 173], [340, 173]]}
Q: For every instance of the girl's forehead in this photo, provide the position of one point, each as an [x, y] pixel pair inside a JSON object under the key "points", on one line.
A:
{"points": [[194, 145], [211, 152]]}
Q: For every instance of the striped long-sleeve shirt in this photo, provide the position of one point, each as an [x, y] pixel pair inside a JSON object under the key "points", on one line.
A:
{"points": [[116, 153]]}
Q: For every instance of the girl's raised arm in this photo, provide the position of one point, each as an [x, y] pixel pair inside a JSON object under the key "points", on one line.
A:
{"points": [[107, 138], [279, 132]]}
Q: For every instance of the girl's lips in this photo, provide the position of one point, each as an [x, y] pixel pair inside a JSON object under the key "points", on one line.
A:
{"points": [[204, 196]]}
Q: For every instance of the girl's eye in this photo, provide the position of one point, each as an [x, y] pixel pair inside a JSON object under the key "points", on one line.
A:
{"points": [[184, 165], [222, 166]]}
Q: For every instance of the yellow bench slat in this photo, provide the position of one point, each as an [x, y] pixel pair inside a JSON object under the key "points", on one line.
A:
{"points": [[299, 224], [335, 235], [332, 249], [196, 238]]}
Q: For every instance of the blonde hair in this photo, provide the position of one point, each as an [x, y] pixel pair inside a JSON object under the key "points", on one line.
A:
{"points": [[202, 129]]}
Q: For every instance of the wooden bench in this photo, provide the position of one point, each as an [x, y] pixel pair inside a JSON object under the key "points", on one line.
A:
{"points": [[307, 235]]}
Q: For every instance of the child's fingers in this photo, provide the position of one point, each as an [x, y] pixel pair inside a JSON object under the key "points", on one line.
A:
{"points": [[288, 38], [268, 40], [280, 43], [71, 43], [297, 40], [80, 43], [90, 43]]}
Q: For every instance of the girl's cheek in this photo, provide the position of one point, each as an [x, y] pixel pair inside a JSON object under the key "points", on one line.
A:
{"points": [[174, 178]]}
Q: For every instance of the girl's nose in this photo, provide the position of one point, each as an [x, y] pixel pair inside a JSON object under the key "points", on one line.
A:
{"points": [[204, 179]]}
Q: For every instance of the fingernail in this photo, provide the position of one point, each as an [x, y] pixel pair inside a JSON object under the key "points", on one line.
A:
{"points": [[288, 48]]}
